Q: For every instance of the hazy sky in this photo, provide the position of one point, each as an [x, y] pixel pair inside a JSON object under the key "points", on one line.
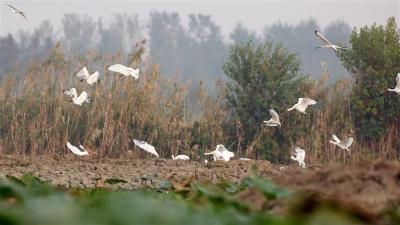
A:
{"points": [[254, 14]]}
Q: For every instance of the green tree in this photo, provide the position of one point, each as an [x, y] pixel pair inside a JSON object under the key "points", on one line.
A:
{"points": [[261, 77], [374, 59]]}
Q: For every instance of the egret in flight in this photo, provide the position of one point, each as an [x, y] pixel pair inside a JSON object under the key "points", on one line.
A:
{"points": [[397, 88], [345, 144], [302, 105], [146, 147], [77, 100], [126, 71], [221, 153]]}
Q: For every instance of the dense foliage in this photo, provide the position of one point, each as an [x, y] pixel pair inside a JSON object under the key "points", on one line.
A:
{"points": [[260, 78], [374, 59]]}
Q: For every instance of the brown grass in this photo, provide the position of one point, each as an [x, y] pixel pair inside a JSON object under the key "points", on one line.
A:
{"points": [[36, 118]]}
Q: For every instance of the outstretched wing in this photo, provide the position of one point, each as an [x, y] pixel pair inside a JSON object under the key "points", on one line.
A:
{"points": [[118, 68], [221, 148], [71, 92], [22, 14], [398, 80], [82, 97], [146, 147], [300, 153], [84, 73], [335, 138], [322, 38], [308, 101], [12, 7], [347, 142], [274, 115]]}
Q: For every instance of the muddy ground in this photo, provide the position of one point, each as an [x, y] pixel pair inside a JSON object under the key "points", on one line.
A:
{"points": [[371, 186]]}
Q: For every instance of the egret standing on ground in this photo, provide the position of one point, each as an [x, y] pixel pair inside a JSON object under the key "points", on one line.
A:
{"points": [[397, 88], [83, 97], [302, 105], [126, 71], [81, 151], [146, 147], [83, 74], [181, 157], [221, 153], [300, 156], [274, 121], [345, 144], [16, 11]]}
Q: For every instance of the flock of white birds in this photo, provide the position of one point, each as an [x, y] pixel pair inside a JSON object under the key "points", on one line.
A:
{"points": [[220, 153]]}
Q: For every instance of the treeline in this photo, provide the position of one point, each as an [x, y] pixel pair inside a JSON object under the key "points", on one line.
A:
{"points": [[190, 52]]}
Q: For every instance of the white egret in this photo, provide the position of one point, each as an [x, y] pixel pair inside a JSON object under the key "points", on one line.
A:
{"points": [[326, 43], [146, 147], [345, 144], [181, 157], [81, 151], [221, 153], [397, 88], [126, 71], [300, 156], [77, 100], [302, 105], [244, 159], [16, 11], [91, 79], [274, 121]]}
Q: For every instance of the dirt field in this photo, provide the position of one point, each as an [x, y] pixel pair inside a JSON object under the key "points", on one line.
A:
{"points": [[371, 186]]}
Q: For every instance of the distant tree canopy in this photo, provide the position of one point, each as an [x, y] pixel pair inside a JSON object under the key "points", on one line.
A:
{"points": [[193, 51], [300, 39], [261, 77], [195, 54], [374, 59]]}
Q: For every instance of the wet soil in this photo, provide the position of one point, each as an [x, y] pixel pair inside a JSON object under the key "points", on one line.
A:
{"points": [[370, 186]]}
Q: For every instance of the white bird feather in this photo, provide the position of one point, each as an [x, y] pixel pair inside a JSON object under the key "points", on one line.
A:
{"points": [[221, 153], [89, 78], [300, 156], [146, 147], [81, 151], [397, 88], [302, 105], [326, 43], [126, 71], [274, 121], [181, 157], [345, 144], [77, 100]]}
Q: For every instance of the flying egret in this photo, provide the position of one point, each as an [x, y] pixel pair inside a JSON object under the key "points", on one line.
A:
{"points": [[181, 157], [221, 153], [83, 74], [274, 121], [300, 155], [126, 71], [81, 151], [146, 147], [397, 88], [16, 11], [326, 43], [302, 105], [345, 144], [83, 97]]}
